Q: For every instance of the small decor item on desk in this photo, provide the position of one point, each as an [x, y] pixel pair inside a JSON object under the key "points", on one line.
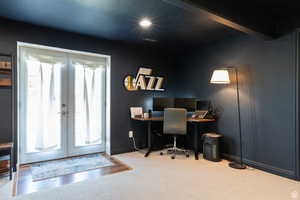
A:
{"points": [[146, 115], [136, 112], [150, 113], [200, 114]]}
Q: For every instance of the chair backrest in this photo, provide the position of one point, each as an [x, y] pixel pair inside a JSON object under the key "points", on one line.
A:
{"points": [[175, 121]]}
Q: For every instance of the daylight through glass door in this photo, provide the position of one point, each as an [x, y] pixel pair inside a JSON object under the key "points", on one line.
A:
{"points": [[62, 104]]}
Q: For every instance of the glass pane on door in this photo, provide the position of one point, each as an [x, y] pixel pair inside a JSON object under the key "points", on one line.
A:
{"points": [[43, 118], [61, 104], [89, 98]]}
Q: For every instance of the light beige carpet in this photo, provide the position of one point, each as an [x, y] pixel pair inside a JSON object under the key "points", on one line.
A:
{"points": [[160, 178]]}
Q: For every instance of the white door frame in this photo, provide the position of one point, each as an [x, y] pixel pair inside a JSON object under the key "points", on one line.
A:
{"points": [[108, 88]]}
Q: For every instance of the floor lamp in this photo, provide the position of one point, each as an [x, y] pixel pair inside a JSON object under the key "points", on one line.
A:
{"points": [[221, 76]]}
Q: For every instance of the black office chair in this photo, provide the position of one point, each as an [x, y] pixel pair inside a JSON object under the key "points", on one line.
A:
{"points": [[175, 124]]}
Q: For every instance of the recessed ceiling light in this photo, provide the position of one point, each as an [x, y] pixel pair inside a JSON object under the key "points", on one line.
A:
{"points": [[145, 23]]}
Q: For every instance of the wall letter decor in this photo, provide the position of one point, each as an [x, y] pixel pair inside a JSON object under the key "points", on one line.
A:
{"points": [[144, 81]]}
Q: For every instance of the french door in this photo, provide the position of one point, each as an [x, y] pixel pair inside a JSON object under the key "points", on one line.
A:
{"points": [[61, 104]]}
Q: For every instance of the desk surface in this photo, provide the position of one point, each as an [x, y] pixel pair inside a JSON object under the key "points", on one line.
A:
{"points": [[162, 118]]}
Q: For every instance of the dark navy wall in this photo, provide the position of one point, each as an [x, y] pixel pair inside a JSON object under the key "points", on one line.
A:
{"points": [[267, 90], [267, 78], [125, 59]]}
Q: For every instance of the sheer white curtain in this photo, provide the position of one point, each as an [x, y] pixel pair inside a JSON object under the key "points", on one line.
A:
{"points": [[46, 122], [89, 84], [89, 103], [43, 118]]}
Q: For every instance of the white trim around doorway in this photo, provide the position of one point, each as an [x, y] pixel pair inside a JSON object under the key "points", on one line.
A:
{"points": [[108, 87]]}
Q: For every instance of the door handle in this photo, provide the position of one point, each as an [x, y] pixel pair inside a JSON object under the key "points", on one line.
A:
{"points": [[63, 113]]}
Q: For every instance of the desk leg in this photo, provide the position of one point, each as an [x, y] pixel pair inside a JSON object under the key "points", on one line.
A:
{"points": [[11, 163], [196, 141], [149, 139]]}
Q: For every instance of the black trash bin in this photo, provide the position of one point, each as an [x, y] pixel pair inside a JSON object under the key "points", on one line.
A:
{"points": [[211, 146]]}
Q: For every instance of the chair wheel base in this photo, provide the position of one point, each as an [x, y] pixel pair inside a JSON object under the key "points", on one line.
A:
{"points": [[173, 157], [161, 153], [187, 155]]}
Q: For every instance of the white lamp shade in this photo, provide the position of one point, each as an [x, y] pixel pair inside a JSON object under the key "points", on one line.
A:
{"points": [[220, 76]]}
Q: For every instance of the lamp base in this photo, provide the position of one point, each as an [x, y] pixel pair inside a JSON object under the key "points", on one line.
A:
{"points": [[237, 165]]}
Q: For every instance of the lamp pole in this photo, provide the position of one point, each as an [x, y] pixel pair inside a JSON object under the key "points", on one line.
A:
{"points": [[221, 76], [239, 165]]}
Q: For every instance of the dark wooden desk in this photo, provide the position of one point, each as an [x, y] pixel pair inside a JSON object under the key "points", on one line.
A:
{"points": [[8, 147], [194, 121]]}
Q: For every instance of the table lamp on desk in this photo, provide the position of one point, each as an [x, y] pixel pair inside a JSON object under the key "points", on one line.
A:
{"points": [[221, 76]]}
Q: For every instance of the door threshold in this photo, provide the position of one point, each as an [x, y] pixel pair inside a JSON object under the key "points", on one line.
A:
{"points": [[67, 157]]}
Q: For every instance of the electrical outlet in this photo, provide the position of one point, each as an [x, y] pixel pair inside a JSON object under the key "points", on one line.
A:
{"points": [[130, 134]]}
